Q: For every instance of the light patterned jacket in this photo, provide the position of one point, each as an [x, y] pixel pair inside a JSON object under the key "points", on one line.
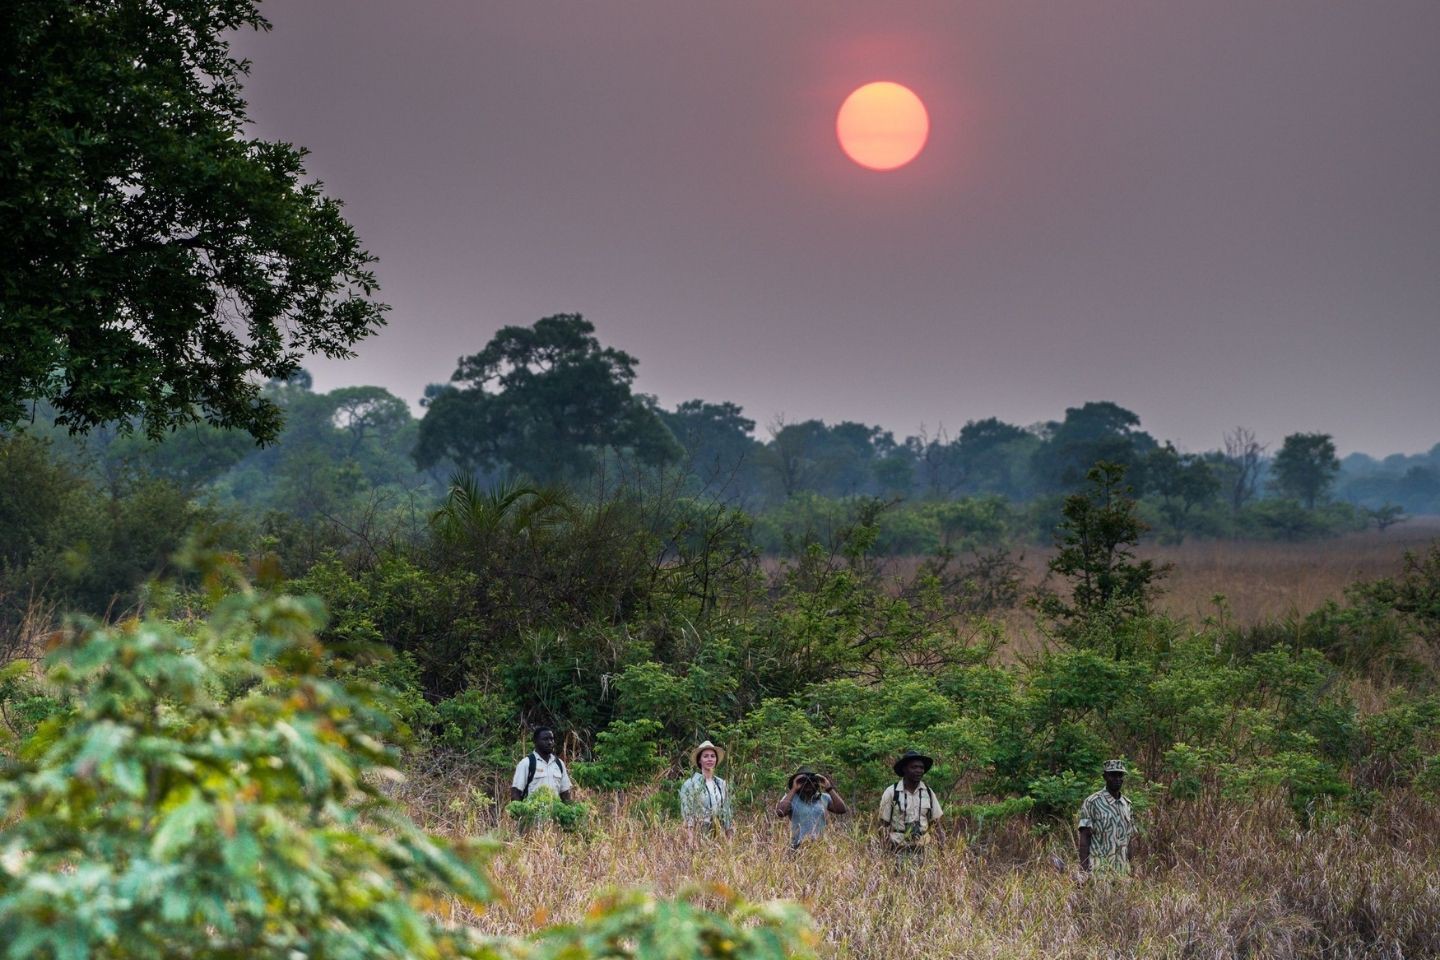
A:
{"points": [[702, 804]]}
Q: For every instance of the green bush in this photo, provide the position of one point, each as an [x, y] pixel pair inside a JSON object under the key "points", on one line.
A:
{"points": [[543, 807], [158, 820], [478, 724], [627, 753]]}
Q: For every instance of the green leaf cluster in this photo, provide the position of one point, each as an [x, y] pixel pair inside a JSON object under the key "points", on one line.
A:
{"points": [[163, 817]]}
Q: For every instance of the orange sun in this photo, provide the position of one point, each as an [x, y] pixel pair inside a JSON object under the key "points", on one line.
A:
{"points": [[882, 125]]}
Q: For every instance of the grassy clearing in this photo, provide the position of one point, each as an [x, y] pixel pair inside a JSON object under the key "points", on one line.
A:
{"points": [[1260, 580], [1216, 879]]}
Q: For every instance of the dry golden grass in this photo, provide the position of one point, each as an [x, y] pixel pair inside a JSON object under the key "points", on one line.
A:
{"points": [[1217, 879], [1262, 581], [1259, 580]]}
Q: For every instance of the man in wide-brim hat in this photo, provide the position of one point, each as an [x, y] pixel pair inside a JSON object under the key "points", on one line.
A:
{"points": [[909, 808], [705, 797]]}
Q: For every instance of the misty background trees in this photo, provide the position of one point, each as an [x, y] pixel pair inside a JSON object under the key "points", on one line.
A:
{"points": [[93, 515]]}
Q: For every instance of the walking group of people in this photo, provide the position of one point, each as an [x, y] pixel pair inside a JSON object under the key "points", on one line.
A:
{"points": [[908, 813]]}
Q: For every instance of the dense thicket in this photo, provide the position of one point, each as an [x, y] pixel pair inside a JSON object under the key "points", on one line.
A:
{"points": [[641, 621]]}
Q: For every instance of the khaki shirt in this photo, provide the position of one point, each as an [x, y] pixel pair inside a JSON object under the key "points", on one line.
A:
{"points": [[549, 775], [1111, 827], [921, 808]]}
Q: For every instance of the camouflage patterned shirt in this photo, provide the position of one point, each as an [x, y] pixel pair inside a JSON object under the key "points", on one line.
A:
{"points": [[1111, 828]]}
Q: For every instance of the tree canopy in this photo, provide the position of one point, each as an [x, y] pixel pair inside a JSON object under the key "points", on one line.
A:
{"points": [[159, 265], [1306, 467], [545, 400]]}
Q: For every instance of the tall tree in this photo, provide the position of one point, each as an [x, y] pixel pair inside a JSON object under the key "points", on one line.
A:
{"points": [[988, 451], [1089, 434], [1096, 553], [158, 264], [547, 401], [793, 455], [1306, 466], [1243, 459], [1182, 481], [719, 444]]}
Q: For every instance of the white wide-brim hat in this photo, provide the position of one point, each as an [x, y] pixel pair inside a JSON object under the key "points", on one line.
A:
{"points": [[707, 745]]}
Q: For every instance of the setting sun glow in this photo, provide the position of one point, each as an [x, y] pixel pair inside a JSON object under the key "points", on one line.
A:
{"points": [[882, 125]]}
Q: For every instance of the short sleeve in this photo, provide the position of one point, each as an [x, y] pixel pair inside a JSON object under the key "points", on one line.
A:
{"points": [[564, 778], [935, 811], [1085, 814], [519, 781], [887, 799]]}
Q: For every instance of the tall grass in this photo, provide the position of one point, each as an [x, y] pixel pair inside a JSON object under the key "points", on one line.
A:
{"points": [[1215, 878], [1261, 581]]}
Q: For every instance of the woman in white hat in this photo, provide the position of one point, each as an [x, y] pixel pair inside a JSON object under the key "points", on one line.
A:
{"points": [[705, 798]]}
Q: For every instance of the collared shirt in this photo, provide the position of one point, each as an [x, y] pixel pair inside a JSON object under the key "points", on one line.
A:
{"points": [[549, 775], [703, 801], [1111, 827], [807, 818], [911, 814]]}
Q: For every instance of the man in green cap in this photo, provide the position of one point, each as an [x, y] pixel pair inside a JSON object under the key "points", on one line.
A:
{"points": [[1106, 826]]}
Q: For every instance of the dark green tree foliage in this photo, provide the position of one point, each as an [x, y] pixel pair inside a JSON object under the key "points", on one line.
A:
{"points": [[1089, 434], [845, 460], [1183, 482], [992, 453], [546, 401], [1410, 482], [720, 447], [1096, 555], [1305, 467], [794, 456], [511, 588], [68, 540], [156, 260], [36, 489], [339, 450]]}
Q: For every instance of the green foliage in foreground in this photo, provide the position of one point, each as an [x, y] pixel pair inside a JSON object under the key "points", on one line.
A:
{"points": [[211, 791], [544, 807]]}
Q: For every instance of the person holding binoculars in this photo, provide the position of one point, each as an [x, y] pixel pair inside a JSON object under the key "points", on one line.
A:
{"points": [[810, 797]]}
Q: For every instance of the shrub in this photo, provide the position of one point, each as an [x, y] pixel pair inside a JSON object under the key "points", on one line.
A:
{"points": [[158, 820], [543, 807], [627, 753]]}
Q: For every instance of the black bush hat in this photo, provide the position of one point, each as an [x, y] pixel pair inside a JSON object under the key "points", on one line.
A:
{"points": [[909, 755]]}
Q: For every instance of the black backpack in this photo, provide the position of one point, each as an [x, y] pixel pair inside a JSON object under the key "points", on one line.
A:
{"points": [[530, 774]]}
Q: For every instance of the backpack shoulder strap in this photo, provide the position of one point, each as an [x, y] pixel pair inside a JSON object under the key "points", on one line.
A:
{"points": [[529, 777]]}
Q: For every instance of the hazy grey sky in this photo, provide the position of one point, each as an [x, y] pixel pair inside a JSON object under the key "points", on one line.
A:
{"points": [[1214, 213]]}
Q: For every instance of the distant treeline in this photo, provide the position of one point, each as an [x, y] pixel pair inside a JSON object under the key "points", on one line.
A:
{"points": [[85, 520], [550, 404]]}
